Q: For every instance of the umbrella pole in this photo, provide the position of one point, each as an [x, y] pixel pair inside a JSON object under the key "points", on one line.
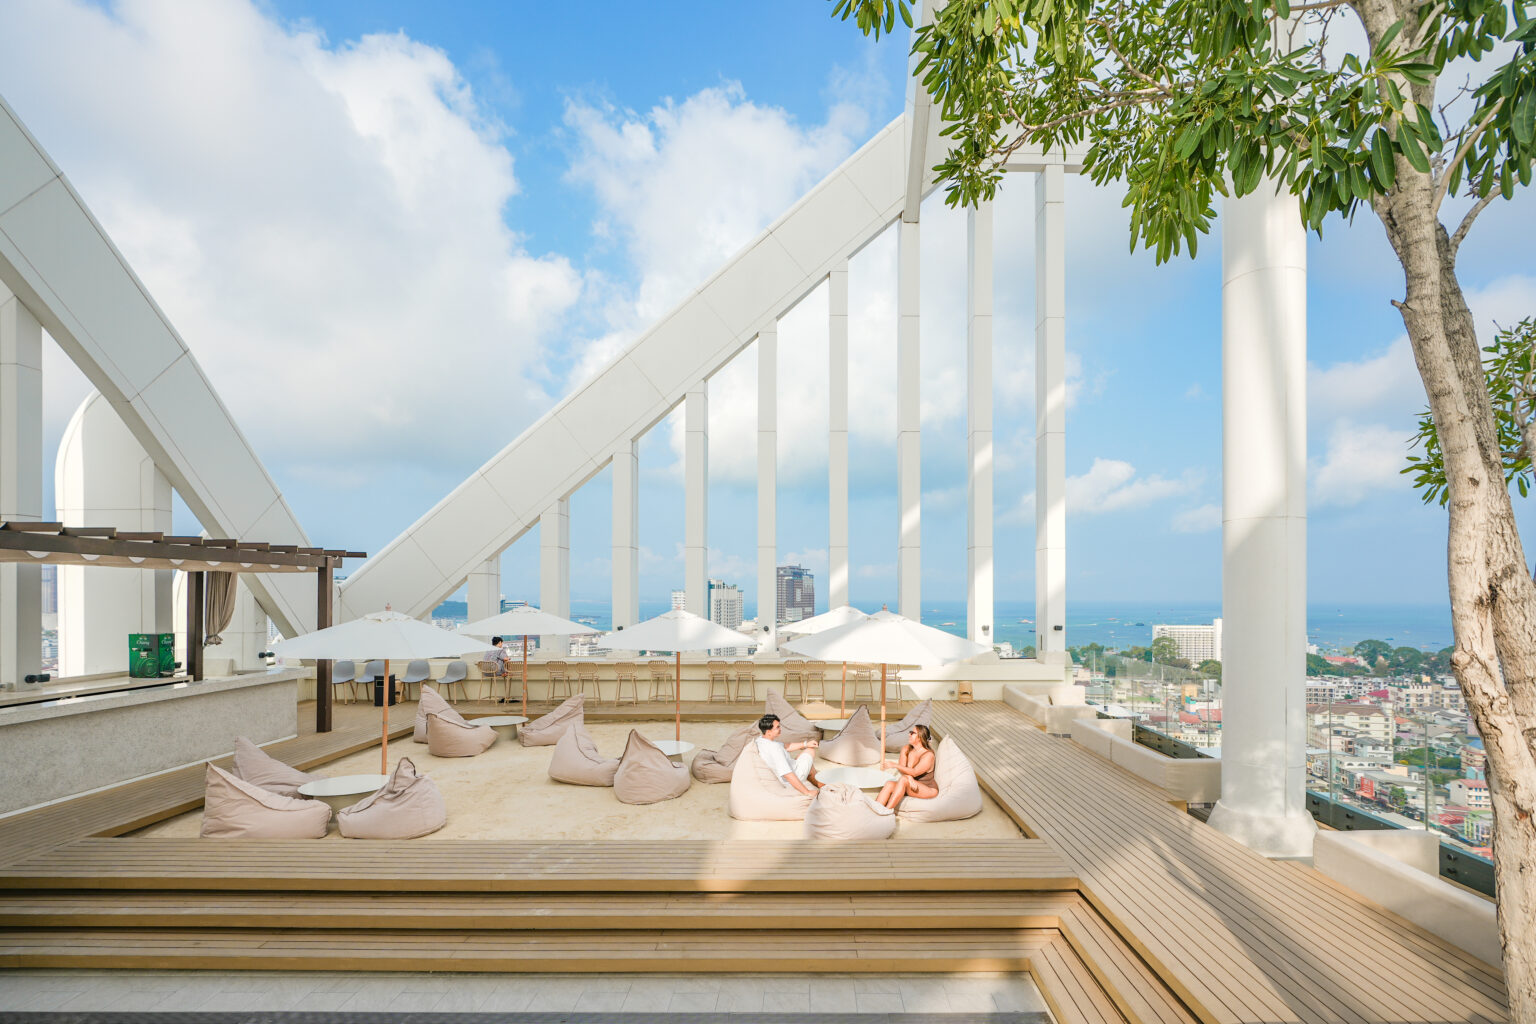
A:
{"points": [[525, 675], [384, 746], [843, 700], [677, 693], [882, 712]]}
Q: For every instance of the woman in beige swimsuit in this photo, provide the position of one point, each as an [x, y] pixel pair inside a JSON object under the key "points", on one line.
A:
{"points": [[916, 768]]}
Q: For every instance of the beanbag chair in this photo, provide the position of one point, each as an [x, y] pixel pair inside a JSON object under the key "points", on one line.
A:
{"points": [[256, 765], [858, 744], [840, 811], [236, 809], [577, 761], [716, 765], [896, 735], [431, 703], [407, 806], [959, 792], [546, 731], [447, 738], [756, 795], [646, 775], [793, 726]]}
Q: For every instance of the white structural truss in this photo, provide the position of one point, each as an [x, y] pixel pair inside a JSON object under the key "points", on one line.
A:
{"points": [[60, 273]]}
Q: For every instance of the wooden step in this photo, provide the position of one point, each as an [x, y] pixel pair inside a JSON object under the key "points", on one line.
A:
{"points": [[810, 951], [403, 912]]}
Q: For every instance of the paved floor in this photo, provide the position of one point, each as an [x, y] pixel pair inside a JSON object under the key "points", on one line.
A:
{"points": [[89, 992]]}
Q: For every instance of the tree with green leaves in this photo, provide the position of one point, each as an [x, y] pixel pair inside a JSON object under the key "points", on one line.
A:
{"points": [[1178, 101], [1210, 667], [1165, 649], [1406, 660], [1372, 651]]}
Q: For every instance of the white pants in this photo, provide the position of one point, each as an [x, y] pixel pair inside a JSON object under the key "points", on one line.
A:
{"points": [[803, 765]]}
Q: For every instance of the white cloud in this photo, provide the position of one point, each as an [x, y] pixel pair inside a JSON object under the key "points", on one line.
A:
{"points": [[1358, 461], [1111, 484], [321, 223], [1385, 384], [1201, 519]]}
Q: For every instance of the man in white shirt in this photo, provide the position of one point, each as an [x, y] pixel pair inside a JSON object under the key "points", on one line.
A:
{"points": [[799, 774]]}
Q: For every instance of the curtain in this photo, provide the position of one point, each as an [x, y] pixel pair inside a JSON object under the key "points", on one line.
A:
{"points": [[221, 605]]}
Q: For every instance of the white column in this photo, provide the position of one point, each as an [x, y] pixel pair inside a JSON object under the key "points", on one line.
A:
{"points": [[1264, 525], [837, 440], [485, 589], [909, 461], [104, 477], [696, 499], [768, 481], [626, 535], [978, 423], [1050, 417], [555, 567], [21, 485]]}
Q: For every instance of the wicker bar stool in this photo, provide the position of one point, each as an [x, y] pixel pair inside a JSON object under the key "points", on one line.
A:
{"points": [[719, 680], [559, 680], [626, 672], [587, 681], [794, 680], [746, 678], [662, 682], [816, 681], [863, 681]]}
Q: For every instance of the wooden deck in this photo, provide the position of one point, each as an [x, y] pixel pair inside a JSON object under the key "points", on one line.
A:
{"points": [[1238, 937]]}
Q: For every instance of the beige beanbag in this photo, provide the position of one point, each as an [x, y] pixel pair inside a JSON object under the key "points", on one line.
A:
{"points": [[546, 731], [793, 726], [447, 738], [646, 775], [896, 735], [431, 703], [408, 805], [840, 811], [577, 761], [256, 765], [716, 765], [236, 809], [756, 795], [959, 792], [858, 744]]}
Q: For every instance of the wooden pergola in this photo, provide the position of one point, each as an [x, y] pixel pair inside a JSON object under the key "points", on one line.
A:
{"points": [[57, 544]]}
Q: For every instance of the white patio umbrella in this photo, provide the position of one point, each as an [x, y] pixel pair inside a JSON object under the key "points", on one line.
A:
{"points": [[890, 639], [524, 622], [387, 635], [676, 631], [839, 616]]}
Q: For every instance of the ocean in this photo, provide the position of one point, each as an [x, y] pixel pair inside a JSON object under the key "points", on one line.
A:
{"points": [[1121, 624]]}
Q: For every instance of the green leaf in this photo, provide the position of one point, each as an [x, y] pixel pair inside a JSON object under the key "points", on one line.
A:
{"points": [[1523, 123], [1381, 159], [1409, 144]]}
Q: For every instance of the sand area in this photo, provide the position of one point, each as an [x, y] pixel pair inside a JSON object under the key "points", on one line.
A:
{"points": [[506, 793]]}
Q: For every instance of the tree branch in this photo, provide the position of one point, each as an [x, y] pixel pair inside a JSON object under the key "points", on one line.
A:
{"points": [[1461, 151], [1466, 222]]}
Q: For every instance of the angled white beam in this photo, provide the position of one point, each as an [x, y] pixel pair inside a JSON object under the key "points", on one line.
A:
{"points": [[978, 424], [768, 478], [1264, 524], [837, 441], [555, 564], [626, 534], [484, 597], [21, 485], [909, 440], [696, 499], [1050, 417], [56, 258]]}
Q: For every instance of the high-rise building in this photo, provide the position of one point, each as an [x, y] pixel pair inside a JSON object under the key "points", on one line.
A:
{"points": [[679, 600], [50, 590], [725, 604], [1196, 643], [797, 594]]}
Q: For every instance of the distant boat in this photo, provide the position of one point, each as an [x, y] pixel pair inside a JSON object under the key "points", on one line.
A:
{"points": [[1027, 620], [946, 623]]}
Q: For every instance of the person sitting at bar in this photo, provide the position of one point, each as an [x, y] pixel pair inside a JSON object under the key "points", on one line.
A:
{"points": [[501, 654], [799, 774]]}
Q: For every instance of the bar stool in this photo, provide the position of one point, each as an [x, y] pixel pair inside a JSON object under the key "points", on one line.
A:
{"points": [[816, 681], [586, 675], [746, 677], [559, 681], [863, 681], [794, 680], [719, 679], [661, 680], [490, 671], [626, 672]]}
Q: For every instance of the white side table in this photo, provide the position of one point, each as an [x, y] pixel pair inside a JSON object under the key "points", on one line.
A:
{"points": [[831, 724], [674, 749], [504, 724], [344, 790], [864, 778]]}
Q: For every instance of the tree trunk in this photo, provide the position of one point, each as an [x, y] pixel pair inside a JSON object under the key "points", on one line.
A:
{"points": [[1493, 599]]}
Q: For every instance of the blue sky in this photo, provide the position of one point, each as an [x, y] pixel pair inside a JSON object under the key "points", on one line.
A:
{"points": [[451, 212]]}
